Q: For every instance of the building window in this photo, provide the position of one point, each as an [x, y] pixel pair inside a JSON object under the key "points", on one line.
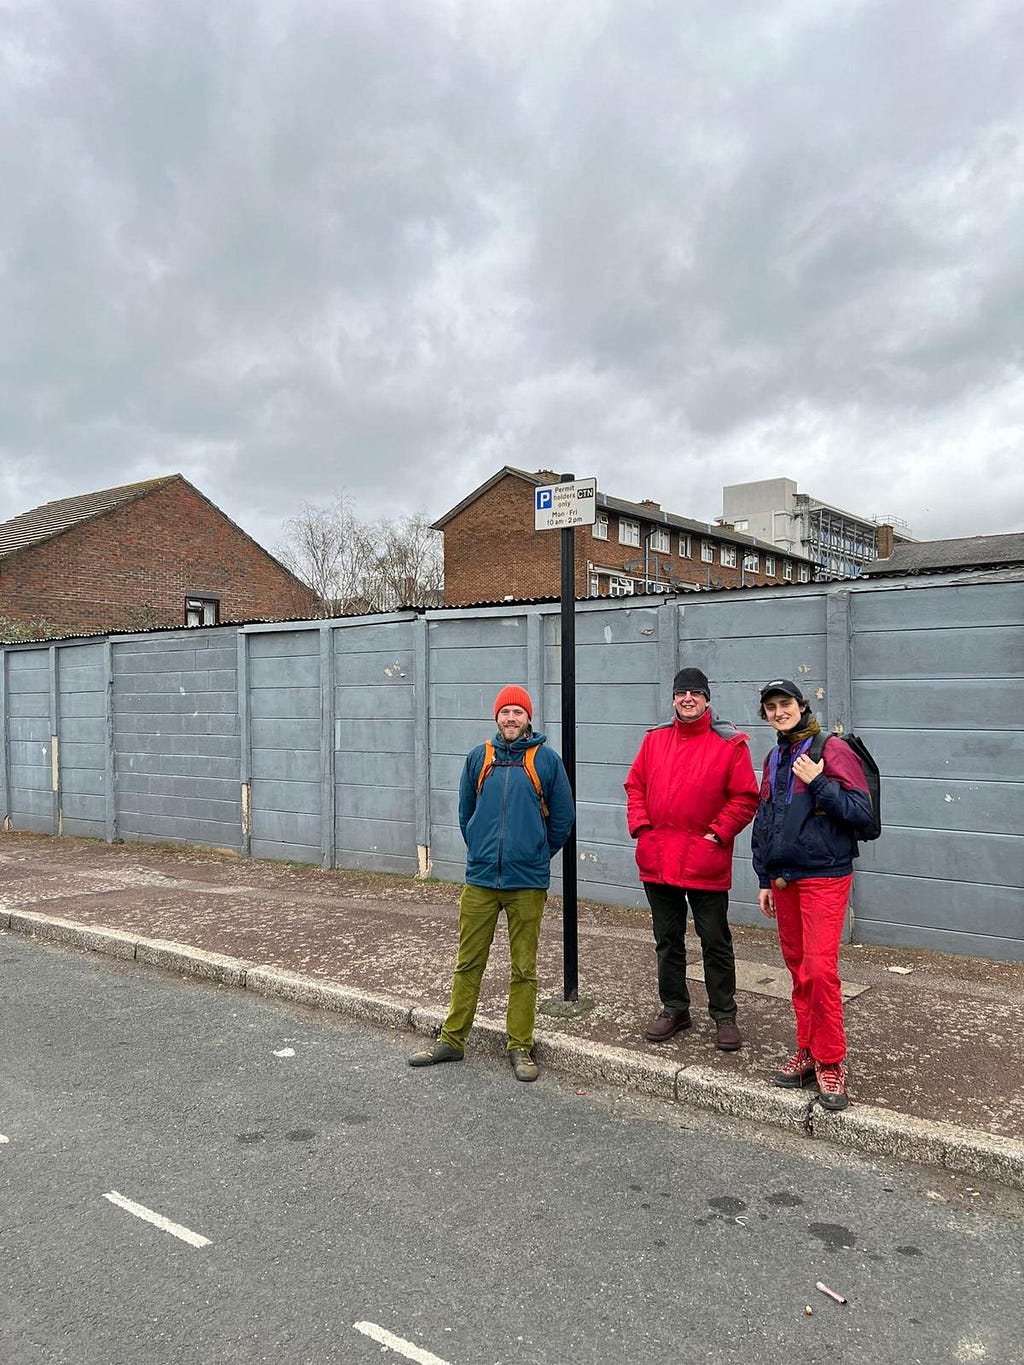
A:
{"points": [[805, 573], [660, 540], [751, 561], [202, 611], [769, 565], [707, 552], [787, 570], [600, 531], [727, 556], [629, 532], [741, 525], [684, 546], [620, 587]]}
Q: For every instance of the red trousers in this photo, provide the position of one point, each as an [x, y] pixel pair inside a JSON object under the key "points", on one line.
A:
{"points": [[810, 917]]}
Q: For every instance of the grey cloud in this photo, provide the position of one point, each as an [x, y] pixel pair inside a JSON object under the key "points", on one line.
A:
{"points": [[386, 248]]}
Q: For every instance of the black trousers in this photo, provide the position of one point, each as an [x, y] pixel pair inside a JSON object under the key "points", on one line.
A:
{"points": [[710, 919]]}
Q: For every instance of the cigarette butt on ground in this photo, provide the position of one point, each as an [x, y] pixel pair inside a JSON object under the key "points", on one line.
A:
{"points": [[830, 1292]]}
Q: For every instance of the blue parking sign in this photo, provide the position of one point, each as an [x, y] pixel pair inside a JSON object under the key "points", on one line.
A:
{"points": [[543, 499]]}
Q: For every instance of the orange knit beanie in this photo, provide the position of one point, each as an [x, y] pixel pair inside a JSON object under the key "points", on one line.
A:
{"points": [[513, 695]]}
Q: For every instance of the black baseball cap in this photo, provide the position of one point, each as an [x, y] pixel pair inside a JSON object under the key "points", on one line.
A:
{"points": [[781, 687]]}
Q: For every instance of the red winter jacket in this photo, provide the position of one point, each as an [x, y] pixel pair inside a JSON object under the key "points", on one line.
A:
{"points": [[690, 778]]}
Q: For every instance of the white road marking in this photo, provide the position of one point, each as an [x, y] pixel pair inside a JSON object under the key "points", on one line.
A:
{"points": [[158, 1220], [4, 1139], [405, 1348]]}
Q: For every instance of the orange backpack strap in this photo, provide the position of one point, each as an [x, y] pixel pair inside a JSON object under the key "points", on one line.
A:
{"points": [[486, 766], [529, 763]]}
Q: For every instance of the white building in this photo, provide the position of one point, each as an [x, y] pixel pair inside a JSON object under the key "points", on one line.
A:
{"points": [[839, 543]]}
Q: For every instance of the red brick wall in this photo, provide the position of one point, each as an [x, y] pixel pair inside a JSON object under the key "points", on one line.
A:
{"points": [[491, 550], [133, 567]]}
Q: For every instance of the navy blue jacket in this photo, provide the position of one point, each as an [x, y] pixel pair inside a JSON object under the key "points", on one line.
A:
{"points": [[509, 845], [809, 830]]}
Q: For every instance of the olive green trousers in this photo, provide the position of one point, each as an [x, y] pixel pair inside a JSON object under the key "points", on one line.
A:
{"points": [[479, 909]]}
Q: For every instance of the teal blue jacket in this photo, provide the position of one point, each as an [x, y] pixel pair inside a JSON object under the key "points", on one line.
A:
{"points": [[509, 844]]}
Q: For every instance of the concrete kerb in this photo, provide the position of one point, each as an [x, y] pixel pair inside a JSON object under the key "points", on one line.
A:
{"points": [[655, 1076], [885, 1132], [740, 1097], [112, 942], [306, 990], [179, 957], [862, 1128]]}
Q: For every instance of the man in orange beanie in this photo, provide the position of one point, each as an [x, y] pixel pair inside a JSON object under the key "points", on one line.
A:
{"points": [[515, 812]]}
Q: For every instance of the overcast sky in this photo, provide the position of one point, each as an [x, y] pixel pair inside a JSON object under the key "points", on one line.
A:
{"points": [[384, 247]]}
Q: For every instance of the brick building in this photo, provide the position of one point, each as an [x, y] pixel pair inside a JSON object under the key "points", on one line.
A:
{"points": [[137, 557], [492, 551]]}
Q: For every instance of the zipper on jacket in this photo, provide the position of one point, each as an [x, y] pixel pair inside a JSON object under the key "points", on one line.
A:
{"points": [[506, 769]]}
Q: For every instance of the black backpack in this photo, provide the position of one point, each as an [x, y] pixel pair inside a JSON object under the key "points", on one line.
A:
{"points": [[871, 776]]}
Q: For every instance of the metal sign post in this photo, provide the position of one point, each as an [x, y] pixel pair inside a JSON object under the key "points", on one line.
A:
{"points": [[564, 506]]}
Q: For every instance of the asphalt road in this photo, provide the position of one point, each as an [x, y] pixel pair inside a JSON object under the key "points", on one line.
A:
{"points": [[341, 1205]]}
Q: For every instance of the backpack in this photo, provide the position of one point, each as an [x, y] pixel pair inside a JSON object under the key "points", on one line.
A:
{"points": [[872, 777], [529, 763]]}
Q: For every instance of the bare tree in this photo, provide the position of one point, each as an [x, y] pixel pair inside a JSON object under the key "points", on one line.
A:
{"points": [[355, 567], [325, 547], [408, 567]]}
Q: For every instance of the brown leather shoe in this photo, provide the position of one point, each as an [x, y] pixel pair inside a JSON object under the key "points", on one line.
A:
{"points": [[666, 1025], [727, 1036]]}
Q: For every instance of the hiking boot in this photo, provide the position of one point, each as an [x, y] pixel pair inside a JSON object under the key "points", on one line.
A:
{"points": [[832, 1078], [430, 1056], [666, 1024], [727, 1036], [525, 1068], [797, 1072]]}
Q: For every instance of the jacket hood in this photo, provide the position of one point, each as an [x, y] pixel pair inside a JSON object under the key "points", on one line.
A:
{"points": [[520, 745]]}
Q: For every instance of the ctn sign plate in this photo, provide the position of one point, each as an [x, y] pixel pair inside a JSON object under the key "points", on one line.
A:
{"points": [[558, 505]]}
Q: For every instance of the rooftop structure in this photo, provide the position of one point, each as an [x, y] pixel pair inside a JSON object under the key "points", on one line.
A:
{"points": [[839, 543]]}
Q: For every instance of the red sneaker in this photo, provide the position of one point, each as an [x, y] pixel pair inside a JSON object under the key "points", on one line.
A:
{"points": [[797, 1072], [832, 1078]]}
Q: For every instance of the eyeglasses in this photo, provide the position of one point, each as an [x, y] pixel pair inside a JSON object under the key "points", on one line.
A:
{"points": [[688, 692]]}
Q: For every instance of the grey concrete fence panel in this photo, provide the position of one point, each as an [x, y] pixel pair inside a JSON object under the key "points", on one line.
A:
{"points": [[341, 743]]}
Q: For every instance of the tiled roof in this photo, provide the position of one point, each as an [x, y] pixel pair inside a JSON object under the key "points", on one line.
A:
{"points": [[647, 512], [641, 511], [53, 518], [937, 556]]}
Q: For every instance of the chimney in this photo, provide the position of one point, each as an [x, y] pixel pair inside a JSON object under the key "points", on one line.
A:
{"points": [[884, 542], [649, 502]]}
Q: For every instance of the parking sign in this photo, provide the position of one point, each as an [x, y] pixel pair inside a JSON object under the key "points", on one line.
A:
{"points": [[558, 505]]}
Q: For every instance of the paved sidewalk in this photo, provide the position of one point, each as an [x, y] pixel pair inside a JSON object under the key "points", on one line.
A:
{"points": [[934, 1046]]}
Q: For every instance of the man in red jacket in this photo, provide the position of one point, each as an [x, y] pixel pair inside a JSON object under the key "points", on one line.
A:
{"points": [[690, 791]]}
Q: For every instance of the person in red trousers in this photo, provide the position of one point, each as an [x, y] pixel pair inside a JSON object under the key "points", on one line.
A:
{"points": [[804, 840]]}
